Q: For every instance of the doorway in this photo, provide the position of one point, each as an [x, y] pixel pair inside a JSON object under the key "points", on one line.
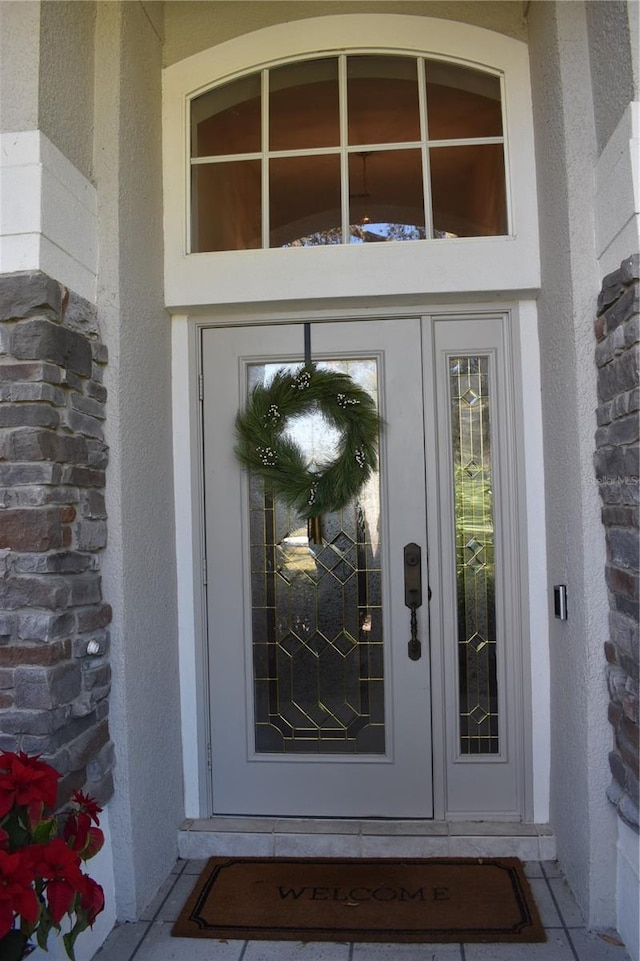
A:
{"points": [[319, 705]]}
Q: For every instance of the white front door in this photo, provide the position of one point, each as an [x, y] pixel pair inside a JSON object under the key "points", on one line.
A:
{"points": [[317, 709]]}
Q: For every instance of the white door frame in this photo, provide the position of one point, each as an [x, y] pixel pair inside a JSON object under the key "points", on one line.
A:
{"points": [[190, 549]]}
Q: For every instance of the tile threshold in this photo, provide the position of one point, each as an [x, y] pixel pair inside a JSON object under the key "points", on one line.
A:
{"points": [[271, 837]]}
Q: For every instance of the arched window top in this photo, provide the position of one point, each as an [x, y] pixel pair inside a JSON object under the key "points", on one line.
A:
{"points": [[337, 133], [351, 148]]}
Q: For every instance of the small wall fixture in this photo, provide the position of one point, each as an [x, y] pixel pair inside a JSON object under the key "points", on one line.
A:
{"points": [[560, 601]]}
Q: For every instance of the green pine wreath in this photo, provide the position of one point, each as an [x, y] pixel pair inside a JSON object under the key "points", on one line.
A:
{"points": [[264, 449]]}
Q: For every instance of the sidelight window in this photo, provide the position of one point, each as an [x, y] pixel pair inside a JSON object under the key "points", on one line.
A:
{"points": [[354, 149], [478, 648]]}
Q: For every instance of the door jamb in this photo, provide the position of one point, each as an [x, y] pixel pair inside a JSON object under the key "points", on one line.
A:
{"points": [[189, 500]]}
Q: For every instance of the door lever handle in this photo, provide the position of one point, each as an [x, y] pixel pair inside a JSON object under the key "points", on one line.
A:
{"points": [[413, 595]]}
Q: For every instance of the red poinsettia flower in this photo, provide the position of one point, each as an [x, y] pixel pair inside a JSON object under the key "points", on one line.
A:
{"points": [[88, 805], [17, 895], [91, 898], [40, 856], [81, 836], [56, 863], [28, 782], [55, 859], [60, 895]]}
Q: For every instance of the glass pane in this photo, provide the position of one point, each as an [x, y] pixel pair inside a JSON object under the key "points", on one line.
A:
{"points": [[304, 201], [468, 191], [386, 196], [225, 206], [304, 106], [227, 120], [382, 100], [462, 103], [475, 563], [317, 636]]}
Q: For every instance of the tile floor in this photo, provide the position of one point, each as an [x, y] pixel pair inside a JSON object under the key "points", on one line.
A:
{"points": [[149, 939]]}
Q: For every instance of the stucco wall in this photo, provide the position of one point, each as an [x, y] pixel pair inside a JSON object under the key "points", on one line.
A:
{"points": [[67, 30], [139, 570], [55, 55], [194, 26], [46, 73], [566, 153], [611, 64], [19, 57]]}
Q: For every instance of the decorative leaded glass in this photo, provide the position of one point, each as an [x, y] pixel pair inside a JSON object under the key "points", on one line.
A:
{"points": [[317, 609], [475, 564]]}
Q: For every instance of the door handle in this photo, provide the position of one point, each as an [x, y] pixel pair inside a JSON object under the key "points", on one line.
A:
{"points": [[413, 594]]}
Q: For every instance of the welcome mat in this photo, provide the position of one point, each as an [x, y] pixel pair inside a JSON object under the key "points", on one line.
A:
{"points": [[382, 899]]}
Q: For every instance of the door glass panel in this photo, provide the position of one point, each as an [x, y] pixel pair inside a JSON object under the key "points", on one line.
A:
{"points": [[317, 640], [226, 211], [227, 120], [305, 201], [386, 196], [383, 105], [475, 562], [462, 103], [468, 191], [304, 107]]}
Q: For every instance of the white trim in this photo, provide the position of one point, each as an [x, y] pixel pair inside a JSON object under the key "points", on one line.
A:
{"points": [[428, 267], [190, 540], [190, 551], [49, 213], [534, 510]]}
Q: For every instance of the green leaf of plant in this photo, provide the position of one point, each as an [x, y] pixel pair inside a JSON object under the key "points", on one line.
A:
{"points": [[44, 831]]}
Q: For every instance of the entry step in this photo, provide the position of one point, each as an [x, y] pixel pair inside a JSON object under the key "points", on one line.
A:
{"points": [[311, 837]]}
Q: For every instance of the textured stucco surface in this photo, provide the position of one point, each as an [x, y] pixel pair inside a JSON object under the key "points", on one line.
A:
{"points": [[139, 568], [19, 59], [67, 29], [565, 155], [195, 25], [611, 64], [46, 73]]}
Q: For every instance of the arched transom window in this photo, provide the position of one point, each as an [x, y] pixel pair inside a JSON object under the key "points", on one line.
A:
{"points": [[348, 149]]}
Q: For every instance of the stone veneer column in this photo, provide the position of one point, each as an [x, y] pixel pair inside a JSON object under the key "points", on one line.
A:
{"points": [[617, 471], [54, 668]]}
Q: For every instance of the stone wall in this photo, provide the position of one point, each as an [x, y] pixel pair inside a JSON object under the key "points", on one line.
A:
{"points": [[617, 471], [54, 639]]}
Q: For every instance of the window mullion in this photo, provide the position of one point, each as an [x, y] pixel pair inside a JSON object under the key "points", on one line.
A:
{"points": [[224, 158], [344, 139], [424, 133], [505, 150], [466, 141], [264, 120]]}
